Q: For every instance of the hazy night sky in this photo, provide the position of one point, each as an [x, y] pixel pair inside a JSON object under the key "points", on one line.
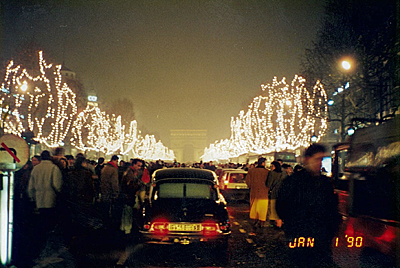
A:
{"points": [[184, 64]]}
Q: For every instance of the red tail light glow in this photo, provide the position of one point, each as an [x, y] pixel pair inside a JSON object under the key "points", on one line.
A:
{"points": [[159, 227], [388, 236], [224, 227], [210, 228]]}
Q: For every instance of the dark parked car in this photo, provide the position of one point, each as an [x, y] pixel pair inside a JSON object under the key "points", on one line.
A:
{"points": [[185, 207]]}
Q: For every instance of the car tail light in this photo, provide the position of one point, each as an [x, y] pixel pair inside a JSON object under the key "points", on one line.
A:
{"points": [[225, 179], [224, 227], [159, 227], [147, 226], [210, 228]]}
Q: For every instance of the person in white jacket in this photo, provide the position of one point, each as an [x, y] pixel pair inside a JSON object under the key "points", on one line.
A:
{"points": [[44, 185]]}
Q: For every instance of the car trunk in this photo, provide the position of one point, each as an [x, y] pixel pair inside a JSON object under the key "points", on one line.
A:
{"points": [[184, 209]]}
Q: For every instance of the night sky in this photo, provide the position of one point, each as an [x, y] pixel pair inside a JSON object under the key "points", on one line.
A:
{"points": [[184, 64]]}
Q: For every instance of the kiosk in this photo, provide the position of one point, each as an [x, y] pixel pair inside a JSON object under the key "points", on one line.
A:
{"points": [[14, 153]]}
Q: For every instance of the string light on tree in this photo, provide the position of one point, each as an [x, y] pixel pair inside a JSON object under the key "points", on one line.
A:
{"points": [[281, 118], [116, 134], [148, 148], [47, 107], [42, 103], [94, 130], [90, 130], [131, 139]]}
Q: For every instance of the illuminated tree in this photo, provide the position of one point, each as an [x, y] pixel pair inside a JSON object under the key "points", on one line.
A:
{"points": [[41, 104], [283, 117], [131, 139], [94, 130], [44, 107], [89, 131], [146, 147], [115, 134], [220, 150]]}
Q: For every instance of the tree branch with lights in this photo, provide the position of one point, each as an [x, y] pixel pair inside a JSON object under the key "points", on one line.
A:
{"points": [[46, 107], [41, 104], [283, 117]]}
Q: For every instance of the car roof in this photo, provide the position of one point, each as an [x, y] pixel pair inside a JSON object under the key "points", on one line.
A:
{"points": [[236, 171], [196, 173]]}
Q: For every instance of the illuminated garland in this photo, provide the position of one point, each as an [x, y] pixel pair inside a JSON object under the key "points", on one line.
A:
{"points": [[283, 117], [47, 108]]}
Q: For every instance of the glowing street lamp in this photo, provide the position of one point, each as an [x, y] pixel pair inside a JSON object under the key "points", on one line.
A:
{"points": [[346, 65], [350, 131], [314, 139], [24, 86]]}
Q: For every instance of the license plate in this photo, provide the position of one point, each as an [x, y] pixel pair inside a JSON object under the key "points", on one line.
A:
{"points": [[184, 227]]}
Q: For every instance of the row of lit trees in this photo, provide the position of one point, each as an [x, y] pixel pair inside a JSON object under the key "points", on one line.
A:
{"points": [[44, 105], [283, 117]]}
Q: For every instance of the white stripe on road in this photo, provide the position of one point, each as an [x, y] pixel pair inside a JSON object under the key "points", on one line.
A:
{"points": [[250, 241], [236, 223], [243, 231], [261, 255]]}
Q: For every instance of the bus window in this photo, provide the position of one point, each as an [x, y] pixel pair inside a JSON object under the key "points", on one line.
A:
{"points": [[340, 159], [362, 155], [375, 191], [327, 166]]}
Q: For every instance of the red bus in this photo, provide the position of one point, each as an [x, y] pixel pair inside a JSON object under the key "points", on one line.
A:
{"points": [[366, 175]]}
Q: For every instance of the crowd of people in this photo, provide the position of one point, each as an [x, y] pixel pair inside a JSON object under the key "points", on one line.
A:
{"points": [[75, 195], [78, 195]]}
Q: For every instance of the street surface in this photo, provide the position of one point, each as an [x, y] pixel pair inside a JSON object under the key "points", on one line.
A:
{"points": [[267, 248]]}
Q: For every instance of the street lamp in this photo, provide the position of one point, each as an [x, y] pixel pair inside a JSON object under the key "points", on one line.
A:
{"points": [[350, 131], [314, 139], [24, 86], [346, 65]]}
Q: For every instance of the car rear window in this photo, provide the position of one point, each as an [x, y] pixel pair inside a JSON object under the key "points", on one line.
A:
{"points": [[186, 190], [237, 178]]}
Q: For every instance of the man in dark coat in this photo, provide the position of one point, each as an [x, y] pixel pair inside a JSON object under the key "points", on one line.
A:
{"points": [[308, 207], [109, 188]]}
